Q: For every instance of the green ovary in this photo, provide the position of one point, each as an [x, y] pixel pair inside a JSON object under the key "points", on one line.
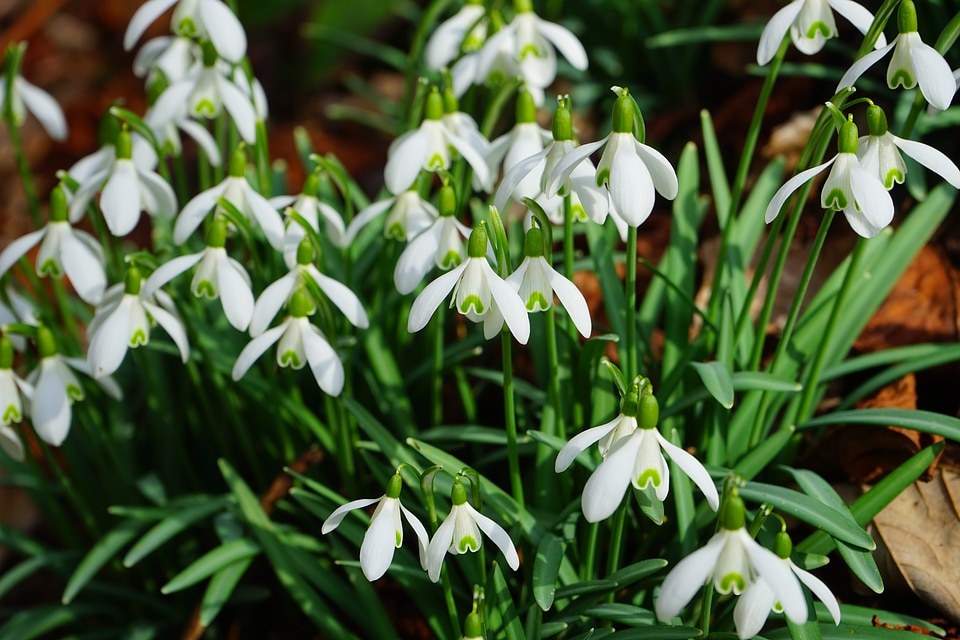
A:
{"points": [[472, 301]]}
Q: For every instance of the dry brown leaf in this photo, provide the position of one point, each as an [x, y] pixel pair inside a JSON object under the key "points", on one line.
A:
{"points": [[920, 532]]}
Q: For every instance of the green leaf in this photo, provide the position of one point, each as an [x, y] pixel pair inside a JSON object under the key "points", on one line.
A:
{"points": [[13, 576], [659, 632], [101, 553], [212, 562], [650, 505], [811, 511], [171, 526], [926, 421], [39, 621], [220, 588], [546, 566], [742, 381], [829, 631], [854, 615], [512, 628], [716, 378]]}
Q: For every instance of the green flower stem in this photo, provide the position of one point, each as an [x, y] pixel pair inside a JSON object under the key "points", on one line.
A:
{"points": [[341, 430], [23, 167], [220, 126], [436, 383], [510, 419], [811, 382], [560, 427], [743, 170], [918, 107], [706, 609], [588, 566], [828, 215], [630, 302], [617, 527], [66, 312], [448, 598]]}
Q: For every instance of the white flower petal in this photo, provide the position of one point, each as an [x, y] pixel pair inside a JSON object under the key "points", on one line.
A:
{"points": [[120, 199], [430, 298], [688, 577], [255, 349], [109, 343], [341, 296], [631, 186], [604, 490], [203, 138], [335, 518], [777, 574], [509, 303], [783, 193], [662, 172], [819, 589], [195, 211], [405, 160], [931, 158], [515, 175], [438, 547], [874, 203], [423, 540], [235, 295], [162, 192], [84, 268], [565, 42], [753, 608], [933, 75], [19, 248], [324, 363], [379, 542], [859, 17], [174, 328], [270, 302], [776, 30], [580, 442], [51, 406], [265, 215], [239, 107], [497, 536], [561, 173], [145, 16], [10, 443], [694, 470], [573, 301], [475, 159], [42, 105], [172, 103], [857, 68], [167, 272], [224, 30]]}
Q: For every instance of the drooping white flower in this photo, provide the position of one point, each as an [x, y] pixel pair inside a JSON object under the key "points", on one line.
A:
{"points": [[477, 289], [408, 215], [20, 310], [385, 532], [460, 533], [534, 43], [12, 391], [759, 598], [204, 93], [63, 251], [236, 190], [810, 24], [123, 320], [464, 31], [125, 189], [732, 561], [525, 139], [849, 188], [308, 206], [173, 56], [56, 388], [879, 153], [197, 19], [305, 275], [587, 199], [537, 282], [24, 96], [300, 343], [913, 62], [632, 171], [440, 244], [428, 148], [217, 276], [632, 449]]}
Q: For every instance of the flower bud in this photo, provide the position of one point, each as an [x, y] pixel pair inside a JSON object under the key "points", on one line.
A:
{"points": [[447, 201], [471, 627]]}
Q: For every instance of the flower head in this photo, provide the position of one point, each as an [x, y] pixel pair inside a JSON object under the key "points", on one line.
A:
{"points": [[385, 533], [477, 290], [199, 19], [849, 188], [308, 206], [913, 62], [460, 533], [12, 391], [123, 320], [463, 31], [408, 215], [440, 243], [525, 139], [24, 96], [811, 24], [732, 561]]}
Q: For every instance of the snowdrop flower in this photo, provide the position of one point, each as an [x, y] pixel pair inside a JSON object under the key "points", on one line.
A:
{"points": [[913, 63], [759, 598], [308, 205], [849, 188], [125, 189], [63, 251], [409, 214], [811, 24], [534, 43], [631, 170], [12, 389], [305, 274], [300, 343], [172, 57], [385, 533], [632, 450], [525, 139], [204, 92], [198, 19], [56, 388], [237, 191], [440, 244], [167, 131], [428, 148], [587, 200], [477, 290], [879, 153], [123, 319], [24, 96], [20, 310], [537, 282], [217, 276], [464, 31], [733, 561], [460, 532]]}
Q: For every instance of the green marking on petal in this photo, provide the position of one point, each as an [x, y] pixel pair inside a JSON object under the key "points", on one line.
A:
{"points": [[603, 176], [818, 27], [893, 176], [836, 200], [399, 539], [205, 108], [531, 50], [451, 260], [396, 231], [74, 392], [187, 28], [473, 42], [732, 582], [472, 301], [11, 415], [138, 338], [467, 543], [50, 268], [537, 301], [904, 77], [579, 213], [205, 289], [435, 162], [649, 476], [290, 359], [495, 78]]}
